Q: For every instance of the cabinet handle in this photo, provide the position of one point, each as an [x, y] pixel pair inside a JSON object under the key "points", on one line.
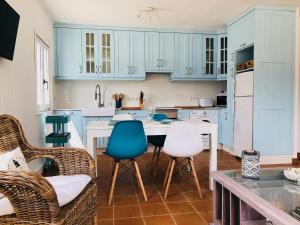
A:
{"points": [[158, 63], [190, 71], [97, 69], [226, 115], [232, 56], [219, 71], [129, 70], [233, 110], [100, 69], [232, 75], [132, 71], [186, 71], [80, 68], [204, 70], [162, 64]]}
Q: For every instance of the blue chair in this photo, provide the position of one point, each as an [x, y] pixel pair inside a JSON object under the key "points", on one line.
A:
{"points": [[158, 142], [127, 142]]}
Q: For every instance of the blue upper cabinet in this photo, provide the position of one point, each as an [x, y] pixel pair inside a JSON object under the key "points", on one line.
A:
{"points": [[181, 56], [159, 51], [130, 56], [122, 53], [195, 56], [210, 56], [90, 53], [137, 54], [188, 56], [98, 53], [166, 51], [244, 29], [68, 53], [106, 64], [222, 57], [152, 51]]}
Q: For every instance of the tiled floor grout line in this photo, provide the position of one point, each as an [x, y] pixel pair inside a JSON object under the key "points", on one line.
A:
{"points": [[190, 202], [167, 208], [146, 203], [113, 209], [137, 197], [136, 217]]}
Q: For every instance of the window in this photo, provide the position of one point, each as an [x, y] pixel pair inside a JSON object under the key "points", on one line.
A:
{"points": [[42, 74]]}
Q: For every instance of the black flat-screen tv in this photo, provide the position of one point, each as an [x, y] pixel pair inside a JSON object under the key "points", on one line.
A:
{"points": [[9, 23]]}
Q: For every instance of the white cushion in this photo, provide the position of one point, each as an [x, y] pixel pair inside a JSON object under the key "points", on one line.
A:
{"points": [[13, 160], [67, 188]]}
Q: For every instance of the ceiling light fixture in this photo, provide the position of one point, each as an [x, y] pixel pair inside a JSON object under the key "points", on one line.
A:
{"points": [[149, 12]]}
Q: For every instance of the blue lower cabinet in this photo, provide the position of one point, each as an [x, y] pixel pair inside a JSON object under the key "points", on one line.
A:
{"points": [[220, 125], [223, 127], [183, 114]]}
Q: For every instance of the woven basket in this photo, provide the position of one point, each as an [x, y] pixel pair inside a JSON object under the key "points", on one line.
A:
{"points": [[240, 66], [249, 64]]}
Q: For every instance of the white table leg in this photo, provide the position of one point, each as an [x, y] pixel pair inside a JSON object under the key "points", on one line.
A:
{"points": [[213, 159], [91, 148]]}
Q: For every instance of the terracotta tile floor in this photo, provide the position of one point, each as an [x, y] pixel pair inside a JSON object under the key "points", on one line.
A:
{"points": [[182, 207]]}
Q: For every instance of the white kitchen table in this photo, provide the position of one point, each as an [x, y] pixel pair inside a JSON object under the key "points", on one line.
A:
{"points": [[99, 129]]}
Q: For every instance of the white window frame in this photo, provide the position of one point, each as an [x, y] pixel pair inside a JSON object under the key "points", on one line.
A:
{"points": [[42, 69]]}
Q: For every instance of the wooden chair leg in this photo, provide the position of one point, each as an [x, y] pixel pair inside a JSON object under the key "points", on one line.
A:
{"points": [[135, 173], [95, 221], [140, 180], [113, 182], [170, 177], [153, 156], [156, 162], [167, 173], [195, 177]]}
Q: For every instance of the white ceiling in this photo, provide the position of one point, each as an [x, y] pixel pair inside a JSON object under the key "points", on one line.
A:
{"points": [[179, 14]]}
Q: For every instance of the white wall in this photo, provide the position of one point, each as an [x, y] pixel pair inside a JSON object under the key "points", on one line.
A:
{"points": [[17, 77], [297, 88], [158, 90]]}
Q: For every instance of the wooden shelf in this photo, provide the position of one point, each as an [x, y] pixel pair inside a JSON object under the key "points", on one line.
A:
{"points": [[245, 70]]}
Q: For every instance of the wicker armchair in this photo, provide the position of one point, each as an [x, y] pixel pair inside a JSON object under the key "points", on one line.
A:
{"points": [[31, 195]]}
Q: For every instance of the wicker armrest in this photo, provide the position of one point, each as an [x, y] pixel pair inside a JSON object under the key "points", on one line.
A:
{"points": [[70, 161], [30, 194]]}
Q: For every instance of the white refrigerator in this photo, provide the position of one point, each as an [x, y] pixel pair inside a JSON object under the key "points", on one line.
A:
{"points": [[243, 112]]}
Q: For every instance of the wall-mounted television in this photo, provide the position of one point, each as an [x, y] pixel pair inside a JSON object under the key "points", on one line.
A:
{"points": [[9, 23]]}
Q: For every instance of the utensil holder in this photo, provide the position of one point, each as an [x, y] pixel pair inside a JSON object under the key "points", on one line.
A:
{"points": [[118, 103]]}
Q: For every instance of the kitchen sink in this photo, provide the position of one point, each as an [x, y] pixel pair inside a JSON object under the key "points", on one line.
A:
{"points": [[108, 111]]}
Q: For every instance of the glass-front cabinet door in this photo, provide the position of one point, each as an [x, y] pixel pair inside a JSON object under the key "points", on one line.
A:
{"points": [[98, 53], [222, 56], [90, 53], [106, 53], [210, 56]]}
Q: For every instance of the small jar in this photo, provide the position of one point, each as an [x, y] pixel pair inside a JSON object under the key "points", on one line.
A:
{"points": [[250, 164]]}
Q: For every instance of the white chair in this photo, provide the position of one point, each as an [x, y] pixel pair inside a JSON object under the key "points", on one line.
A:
{"points": [[121, 117], [183, 141]]}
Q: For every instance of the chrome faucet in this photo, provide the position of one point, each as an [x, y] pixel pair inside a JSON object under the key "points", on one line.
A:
{"points": [[98, 95]]}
